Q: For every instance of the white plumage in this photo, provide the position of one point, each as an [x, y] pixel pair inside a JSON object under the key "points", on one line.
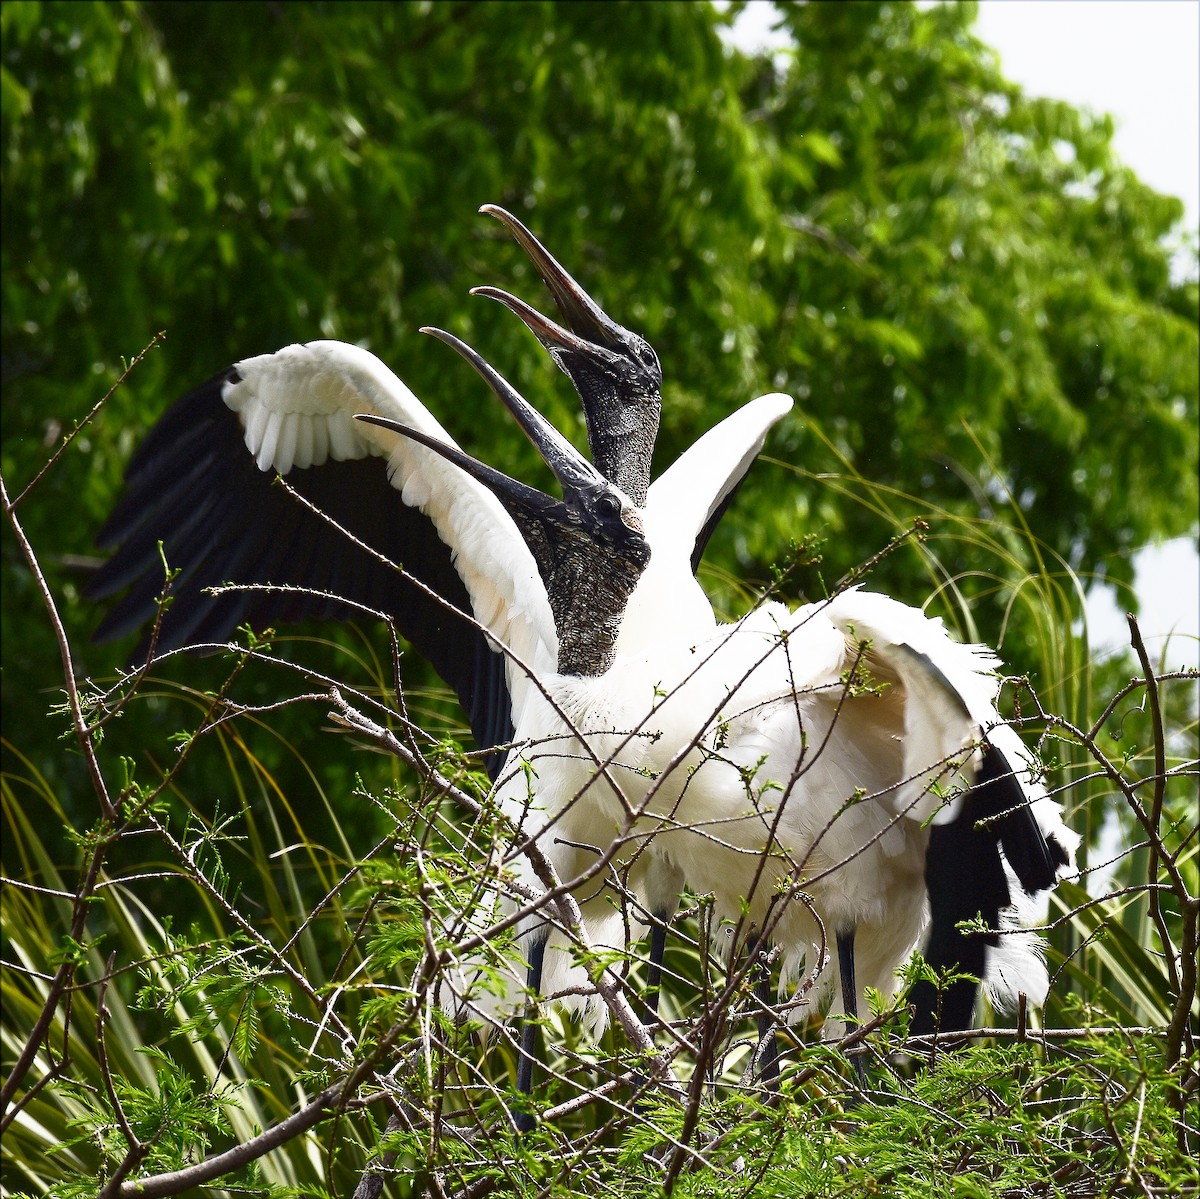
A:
{"points": [[797, 765], [807, 751]]}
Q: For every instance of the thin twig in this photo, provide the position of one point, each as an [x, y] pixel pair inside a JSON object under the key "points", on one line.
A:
{"points": [[134, 363]]}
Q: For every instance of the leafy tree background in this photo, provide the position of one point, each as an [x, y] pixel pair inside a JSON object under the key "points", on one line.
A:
{"points": [[968, 296]]}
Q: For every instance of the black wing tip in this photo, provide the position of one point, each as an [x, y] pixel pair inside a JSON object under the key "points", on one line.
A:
{"points": [[999, 798], [1059, 853]]}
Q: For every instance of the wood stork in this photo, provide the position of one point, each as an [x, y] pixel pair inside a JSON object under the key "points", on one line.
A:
{"points": [[201, 484], [816, 748], [883, 797], [979, 853], [758, 716]]}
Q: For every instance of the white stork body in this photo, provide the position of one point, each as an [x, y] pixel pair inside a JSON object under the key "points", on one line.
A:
{"points": [[294, 413], [589, 742], [748, 765], [802, 780]]}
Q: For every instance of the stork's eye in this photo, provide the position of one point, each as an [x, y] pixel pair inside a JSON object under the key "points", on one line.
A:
{"points": [[609, 505]]}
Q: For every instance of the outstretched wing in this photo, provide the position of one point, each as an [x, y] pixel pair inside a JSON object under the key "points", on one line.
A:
{"points": [[204, 485], [692, 494]]}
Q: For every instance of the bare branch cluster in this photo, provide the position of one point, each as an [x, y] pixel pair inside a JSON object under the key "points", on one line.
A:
{"points": [[401, 1050]]}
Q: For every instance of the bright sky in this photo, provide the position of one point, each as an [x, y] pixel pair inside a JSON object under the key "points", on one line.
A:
{"points": [[1138, 60]]}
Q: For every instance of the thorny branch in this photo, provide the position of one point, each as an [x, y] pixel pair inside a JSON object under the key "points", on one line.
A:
{"points": [[1183, 974], [698, 1037]]}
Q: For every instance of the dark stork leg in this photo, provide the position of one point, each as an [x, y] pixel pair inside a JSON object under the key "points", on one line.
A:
{"points": [[654, 964], [768, 1042], [845, 952], [523, 1121]]}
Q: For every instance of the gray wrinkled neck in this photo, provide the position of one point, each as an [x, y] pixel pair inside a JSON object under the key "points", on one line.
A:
{"points": [[622, 452], [588, 584], [621, 435], [587, 613]]}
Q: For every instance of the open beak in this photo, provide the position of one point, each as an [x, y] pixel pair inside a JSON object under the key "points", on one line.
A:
{"points": [[615, 372], [518, 498], [570, 467], [588, 329]]}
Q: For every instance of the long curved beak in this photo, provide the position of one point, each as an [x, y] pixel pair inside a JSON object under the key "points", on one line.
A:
{"points": [[549, 332], [615, 372], [588, 328], [572, 470], [575, 474], [509, 491]]}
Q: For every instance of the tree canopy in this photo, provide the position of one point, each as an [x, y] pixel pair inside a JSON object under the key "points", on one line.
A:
{"points": [[969, 296]]}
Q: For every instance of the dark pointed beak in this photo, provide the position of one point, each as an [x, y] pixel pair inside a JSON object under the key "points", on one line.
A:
{"points": [[549, 332], [576, 475], [573, 471], [616, 373], [592, 508], [509, 491], [587, 326]]}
